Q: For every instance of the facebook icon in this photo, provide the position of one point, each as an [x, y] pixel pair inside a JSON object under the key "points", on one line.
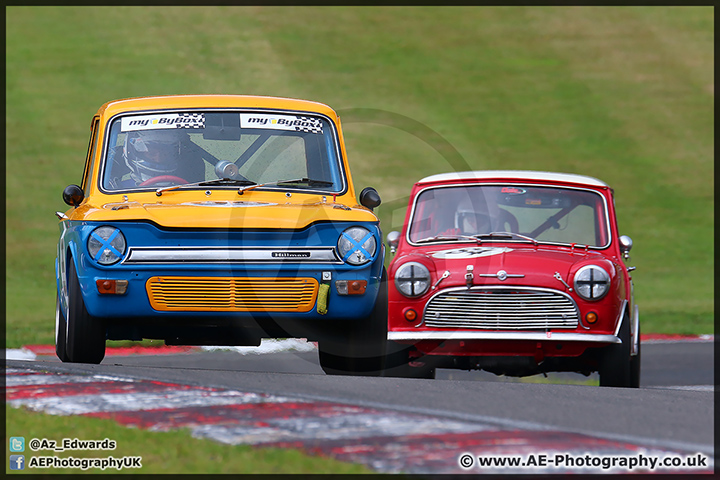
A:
{"points": [[17, 462]]}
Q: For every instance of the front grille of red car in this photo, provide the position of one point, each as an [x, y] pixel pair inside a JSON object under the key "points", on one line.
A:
{"points": [[501, 308]]}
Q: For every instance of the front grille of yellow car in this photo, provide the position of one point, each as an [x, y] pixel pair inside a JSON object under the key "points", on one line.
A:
{"points": [[231, 294], [502, 309]]}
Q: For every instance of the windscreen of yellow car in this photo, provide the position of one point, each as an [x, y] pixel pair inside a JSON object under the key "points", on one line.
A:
{"points": [[222, 149]]}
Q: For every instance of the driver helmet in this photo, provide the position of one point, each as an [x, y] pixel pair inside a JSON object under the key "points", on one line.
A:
{"points": [[472, 217], [152, 153]]}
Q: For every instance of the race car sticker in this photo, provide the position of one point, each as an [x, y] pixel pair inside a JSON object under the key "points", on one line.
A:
{"points": [[470, 252], [162, 121], [513, 190], [296, 123]]}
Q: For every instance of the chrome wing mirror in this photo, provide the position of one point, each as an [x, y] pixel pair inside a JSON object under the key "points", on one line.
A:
{"points": [[393, 239], [626, 245]]}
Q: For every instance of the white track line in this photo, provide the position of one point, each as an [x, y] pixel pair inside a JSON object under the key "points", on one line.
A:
{"points": [[116, 402]]}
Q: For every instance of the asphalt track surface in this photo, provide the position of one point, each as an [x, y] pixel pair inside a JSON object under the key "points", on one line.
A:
{"points": [[673, 408]]}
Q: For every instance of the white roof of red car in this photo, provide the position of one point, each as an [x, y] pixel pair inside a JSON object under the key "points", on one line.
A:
{"points": [[515, 175]]}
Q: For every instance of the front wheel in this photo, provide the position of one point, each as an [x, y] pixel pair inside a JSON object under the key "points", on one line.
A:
{"points": [[399, 364], [85, 341], [616, 363], [60, 333], [359, 348], [635, 364]]}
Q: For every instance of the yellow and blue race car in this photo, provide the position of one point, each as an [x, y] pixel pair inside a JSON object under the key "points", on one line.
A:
{"points": [[220, 220]]}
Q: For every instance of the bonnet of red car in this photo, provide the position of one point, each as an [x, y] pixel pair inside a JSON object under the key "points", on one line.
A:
{"points": [[522, 265]]}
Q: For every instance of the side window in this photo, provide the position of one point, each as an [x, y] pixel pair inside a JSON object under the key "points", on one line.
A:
{"points": [[89, 160]]}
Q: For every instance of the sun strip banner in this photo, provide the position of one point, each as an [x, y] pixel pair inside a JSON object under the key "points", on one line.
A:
{"points": [[162, 121], [296, 123]]}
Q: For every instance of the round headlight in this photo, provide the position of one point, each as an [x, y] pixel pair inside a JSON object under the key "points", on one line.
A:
{"points": [[412, 279], [106, 245], [592, 282], [357, 245]]}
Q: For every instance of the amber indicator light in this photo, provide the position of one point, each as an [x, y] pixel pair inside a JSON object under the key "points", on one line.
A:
{"points": [[410, 314], [111, 287], [357, 287], [351, 287]]}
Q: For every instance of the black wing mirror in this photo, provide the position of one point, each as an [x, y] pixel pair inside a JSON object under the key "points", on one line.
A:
{"points": [[370, 198], [73, 195]]}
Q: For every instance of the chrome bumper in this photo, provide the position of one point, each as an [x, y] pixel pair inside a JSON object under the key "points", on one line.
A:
{"points": [[534, 336]]}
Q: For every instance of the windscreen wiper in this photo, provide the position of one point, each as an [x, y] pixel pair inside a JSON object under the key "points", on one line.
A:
{"points": [[440, 238], [309, 182], [507, 235], [228, 181], [204, 183]]}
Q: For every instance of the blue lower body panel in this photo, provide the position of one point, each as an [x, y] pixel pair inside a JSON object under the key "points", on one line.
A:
{"points": [[190, 295]]}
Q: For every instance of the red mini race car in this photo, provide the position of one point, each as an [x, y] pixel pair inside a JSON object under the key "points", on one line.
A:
{"points": [[512, 272]]}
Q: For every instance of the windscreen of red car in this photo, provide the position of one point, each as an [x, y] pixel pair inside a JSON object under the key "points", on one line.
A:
{"points": [[547, 214]]}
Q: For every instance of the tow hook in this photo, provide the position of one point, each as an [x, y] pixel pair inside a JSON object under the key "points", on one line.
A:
{"points": [[469, 276], [323, 293]]}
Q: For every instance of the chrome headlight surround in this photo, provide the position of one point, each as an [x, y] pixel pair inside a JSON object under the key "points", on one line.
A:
{"points": [[357, 245], [591, 282], [412, 279], [106, 245]]}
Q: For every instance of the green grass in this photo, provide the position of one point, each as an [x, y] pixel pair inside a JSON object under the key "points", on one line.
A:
{"points": [[173, 452]]}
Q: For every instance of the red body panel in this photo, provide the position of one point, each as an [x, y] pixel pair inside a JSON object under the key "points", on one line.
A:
{"points": [[528, 266]]}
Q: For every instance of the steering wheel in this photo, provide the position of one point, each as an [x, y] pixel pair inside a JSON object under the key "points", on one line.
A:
{"points": [[163, 178]]}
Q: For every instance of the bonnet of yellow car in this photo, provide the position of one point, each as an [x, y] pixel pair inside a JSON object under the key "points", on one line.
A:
{"points": [[256, 210]]}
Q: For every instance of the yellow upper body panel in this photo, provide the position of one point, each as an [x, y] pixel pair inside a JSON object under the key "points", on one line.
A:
{"points": [[212, 101], [227, 209], [217, 207]]}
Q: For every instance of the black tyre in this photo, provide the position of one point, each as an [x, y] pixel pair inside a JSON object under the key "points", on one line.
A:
{"points": [[398, 363], [60, 333], [635, 365], [615, 362], [85, 335], [358, 349]]}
